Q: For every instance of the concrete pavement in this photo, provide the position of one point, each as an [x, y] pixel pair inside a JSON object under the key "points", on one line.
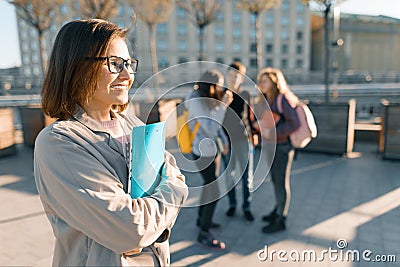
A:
{"points": [[352, 204]]}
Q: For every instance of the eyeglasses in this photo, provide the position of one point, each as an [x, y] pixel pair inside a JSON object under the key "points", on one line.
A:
{"points": [[116, 64]]}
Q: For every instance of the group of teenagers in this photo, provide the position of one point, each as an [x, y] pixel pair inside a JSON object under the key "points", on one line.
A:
{"points": [[221, 109], [80, 160]]}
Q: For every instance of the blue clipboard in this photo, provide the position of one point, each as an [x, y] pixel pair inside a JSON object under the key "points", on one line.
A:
{"points": [[147, 158]]}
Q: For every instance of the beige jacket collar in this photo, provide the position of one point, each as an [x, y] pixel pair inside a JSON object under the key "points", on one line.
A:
{"points": [[82, 116]]}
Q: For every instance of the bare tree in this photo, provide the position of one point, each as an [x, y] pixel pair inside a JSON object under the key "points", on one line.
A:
{"points": [[325, 6], [256, 7], [99, 9], [202, 13], [153, 12], [38, 14]]}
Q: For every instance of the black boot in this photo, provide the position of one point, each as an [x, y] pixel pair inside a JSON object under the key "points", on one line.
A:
{"points": [[276, 225], [208, 240], [270, 217], [230, 212]]}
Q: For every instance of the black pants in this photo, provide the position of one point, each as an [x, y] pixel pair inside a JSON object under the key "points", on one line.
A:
{"points": [[280, 172], [210, 193]]}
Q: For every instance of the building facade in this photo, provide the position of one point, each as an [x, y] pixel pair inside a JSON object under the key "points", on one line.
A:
{"points": [[369, 51], [285, 38], [285, 33]]}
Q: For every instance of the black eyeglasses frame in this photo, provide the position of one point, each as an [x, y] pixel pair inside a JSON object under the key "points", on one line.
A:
{"points": [[125, 62]]}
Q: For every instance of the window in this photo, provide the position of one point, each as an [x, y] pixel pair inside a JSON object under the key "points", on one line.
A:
{"points": [[163, 63], [162, 28], [253, 62], [300, 7], [285, 5], [63, 9], [181, 13], [237, 16], [253, 47], [252, 33], [238, 59], [219, 47], [26, 59], [300, 21], [236, 32], [299, 35], [182, 30], [269, 19], [35, 58], [162, 45], [219, 16], [219, 31], [27, 72], [182, 46], [219, 60], [284, 35], [36, 70], [236, 47], [252, 18], [299, 49], [284, 20], [34, 46], [299, 63], [284, 63], [269, 48], [269, 62], [284, 49], [25, 47], [269, 34]]}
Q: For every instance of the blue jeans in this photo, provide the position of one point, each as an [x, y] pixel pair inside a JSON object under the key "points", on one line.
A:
{"points": [[238, 158]]}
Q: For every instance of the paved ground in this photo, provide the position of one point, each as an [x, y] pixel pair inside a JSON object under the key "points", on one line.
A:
{"points": [[355, 201]]}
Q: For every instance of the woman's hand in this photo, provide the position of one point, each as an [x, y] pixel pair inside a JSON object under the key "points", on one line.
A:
{"points": [[227, 98], [170, 168]]}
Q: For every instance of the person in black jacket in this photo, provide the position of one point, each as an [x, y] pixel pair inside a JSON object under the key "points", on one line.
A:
{"points": [[238, 127]]}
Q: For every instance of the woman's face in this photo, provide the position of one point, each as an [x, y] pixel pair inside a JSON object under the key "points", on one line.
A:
{"points": [[113, 88], [266, 84]]}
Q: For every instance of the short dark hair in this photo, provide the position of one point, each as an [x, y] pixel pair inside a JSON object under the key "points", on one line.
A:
{"points": [[239, 67], [70, 79], [208, 79]]}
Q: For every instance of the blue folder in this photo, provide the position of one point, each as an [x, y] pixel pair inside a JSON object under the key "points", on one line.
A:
{"points": [[147, 151]]}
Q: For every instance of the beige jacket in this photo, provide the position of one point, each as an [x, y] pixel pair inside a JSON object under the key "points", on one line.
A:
{"points": [[82, 176]]}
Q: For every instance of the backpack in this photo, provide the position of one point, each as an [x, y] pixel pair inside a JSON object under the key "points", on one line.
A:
{"points": [[307, 129], [184, 135]]}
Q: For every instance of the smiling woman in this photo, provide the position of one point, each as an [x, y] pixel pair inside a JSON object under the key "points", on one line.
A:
{"points": [[80, 165], [115, 80]]}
